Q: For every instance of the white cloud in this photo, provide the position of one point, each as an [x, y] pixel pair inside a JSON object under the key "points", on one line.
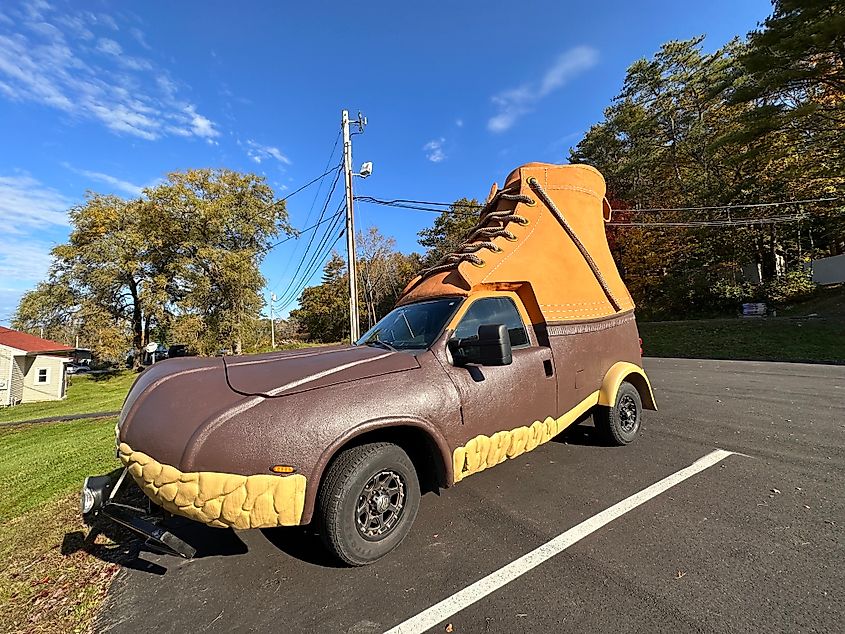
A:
{"points": [[139, 36], [434, 150], [121, 185], [109, 47], [22, 266], [258, 153], [27, 262], [515, 102], [26, 204], [47, 59], [200, 125]]}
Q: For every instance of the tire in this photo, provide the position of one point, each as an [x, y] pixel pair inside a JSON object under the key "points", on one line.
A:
{"points": [[618, 425], [367, 502]]}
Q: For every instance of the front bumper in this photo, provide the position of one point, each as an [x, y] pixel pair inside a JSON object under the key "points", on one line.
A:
{"points": [[225, 500], [97, 500]]}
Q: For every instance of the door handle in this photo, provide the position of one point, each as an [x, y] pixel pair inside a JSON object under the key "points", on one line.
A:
{"points": [[548, 367]]}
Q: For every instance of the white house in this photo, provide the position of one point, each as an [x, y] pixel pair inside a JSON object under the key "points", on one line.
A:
{"points": [[31, 368]]}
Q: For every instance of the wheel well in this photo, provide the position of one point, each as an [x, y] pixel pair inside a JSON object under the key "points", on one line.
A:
{"points": [[420, 447], [642, 386]]}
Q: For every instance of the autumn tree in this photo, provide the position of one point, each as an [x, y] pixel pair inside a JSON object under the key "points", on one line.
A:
{"points": [[384, 273], [183, 259], [448, 230], [679, 135], [222, 224]]}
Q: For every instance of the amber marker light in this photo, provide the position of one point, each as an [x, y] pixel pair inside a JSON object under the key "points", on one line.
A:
{"points": [[282, 468]]}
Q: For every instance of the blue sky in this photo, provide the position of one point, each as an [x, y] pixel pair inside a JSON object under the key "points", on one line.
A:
{"points": [[110, 96]]}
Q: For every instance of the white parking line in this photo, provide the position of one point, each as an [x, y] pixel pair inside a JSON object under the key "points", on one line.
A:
{"points": [[439, 612]]}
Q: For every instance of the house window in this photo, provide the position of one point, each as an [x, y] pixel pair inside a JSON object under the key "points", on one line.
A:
{"points": [[43, 375]]}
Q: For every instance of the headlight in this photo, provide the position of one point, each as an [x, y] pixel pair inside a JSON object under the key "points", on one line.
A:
{"points": [[86, 499], [95, 492]]}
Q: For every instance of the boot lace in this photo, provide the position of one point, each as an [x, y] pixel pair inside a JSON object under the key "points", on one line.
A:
{"points": [[492, 224]]}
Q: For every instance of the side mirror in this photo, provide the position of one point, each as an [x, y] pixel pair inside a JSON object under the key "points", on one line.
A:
{"points": [[492, 346]]}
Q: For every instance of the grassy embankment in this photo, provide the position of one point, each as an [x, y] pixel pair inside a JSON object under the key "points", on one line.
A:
{"points": [[47, 582], [811, 331]]}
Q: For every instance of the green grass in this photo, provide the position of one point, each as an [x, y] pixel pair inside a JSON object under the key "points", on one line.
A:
{"points": [[48, 581], [85, 394], [828, 301], [43, 461], [779, 339]]}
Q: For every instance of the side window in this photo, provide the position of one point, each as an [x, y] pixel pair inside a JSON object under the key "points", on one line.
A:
{"points": [[43, 376], [493, 310]]}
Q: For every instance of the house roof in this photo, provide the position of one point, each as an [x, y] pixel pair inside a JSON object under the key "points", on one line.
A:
{"points": [[29, 343]]}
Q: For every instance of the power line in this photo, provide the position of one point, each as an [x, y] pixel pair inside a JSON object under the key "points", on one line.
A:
{"points": [[311, 239], [301, 231], [295, 281], [406, 204], [730, 207], [328, 162], [309, 183], [715, 223], [430, 206], [320, 253], [310, 210]]}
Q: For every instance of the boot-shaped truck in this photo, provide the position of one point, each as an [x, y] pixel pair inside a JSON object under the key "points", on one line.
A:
{"points": [[525, 329]]}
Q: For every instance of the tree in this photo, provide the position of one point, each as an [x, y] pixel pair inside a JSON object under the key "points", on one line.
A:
{"points": [[792, 74], [448, 231], [323, 313], [384, 273], [222, 223], [678, 136], [181, 261]]}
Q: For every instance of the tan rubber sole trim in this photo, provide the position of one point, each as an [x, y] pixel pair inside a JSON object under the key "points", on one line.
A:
{"points": [[487, 451], [225, 500]]}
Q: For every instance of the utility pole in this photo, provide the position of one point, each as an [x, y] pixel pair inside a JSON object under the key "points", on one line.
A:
{"points": [[272, 321], [354, 332]]}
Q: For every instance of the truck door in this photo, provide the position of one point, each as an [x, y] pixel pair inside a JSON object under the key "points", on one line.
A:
{"points": [[499, 398]]}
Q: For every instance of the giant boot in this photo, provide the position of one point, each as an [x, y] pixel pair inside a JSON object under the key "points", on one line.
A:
{"points": [[543, 231]]}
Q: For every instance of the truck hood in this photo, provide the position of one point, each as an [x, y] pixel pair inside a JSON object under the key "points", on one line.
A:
{"points": [[284, 373], [176, 405]]}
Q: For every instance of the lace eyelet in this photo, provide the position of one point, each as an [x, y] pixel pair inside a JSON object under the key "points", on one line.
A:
{"points": [[524, 222], [511, 238], [478, 264], [531, 204]]}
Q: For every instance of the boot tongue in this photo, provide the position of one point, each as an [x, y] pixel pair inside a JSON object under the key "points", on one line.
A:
{"points": [[493, 189]]}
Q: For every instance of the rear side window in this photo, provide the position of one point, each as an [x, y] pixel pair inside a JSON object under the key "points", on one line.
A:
{"points": [[493, 310]]}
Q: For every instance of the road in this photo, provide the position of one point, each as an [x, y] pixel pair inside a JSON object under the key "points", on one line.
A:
{"points": [[754, 542]]}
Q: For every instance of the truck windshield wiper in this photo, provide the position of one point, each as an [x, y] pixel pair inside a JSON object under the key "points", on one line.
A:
{"points": [[380, 343]]}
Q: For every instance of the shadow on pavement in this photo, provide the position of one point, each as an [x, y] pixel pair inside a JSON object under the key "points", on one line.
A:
{"points": [[303, 543], [581, 434]]}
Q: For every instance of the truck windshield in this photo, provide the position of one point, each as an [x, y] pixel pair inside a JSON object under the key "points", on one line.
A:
{"points": [[411, 327]]}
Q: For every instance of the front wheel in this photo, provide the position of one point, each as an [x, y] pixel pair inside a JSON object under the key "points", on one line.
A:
{"points": [[367, 502], [620, 423]]}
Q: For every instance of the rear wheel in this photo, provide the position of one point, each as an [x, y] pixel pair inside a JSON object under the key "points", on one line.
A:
{"points": [[368, 501], [620, 423]]}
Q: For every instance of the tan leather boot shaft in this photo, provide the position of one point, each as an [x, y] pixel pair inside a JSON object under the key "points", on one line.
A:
{"points": [[534, 240]]}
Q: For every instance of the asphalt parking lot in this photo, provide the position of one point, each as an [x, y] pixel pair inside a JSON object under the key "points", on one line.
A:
{"points": [[753, 542]]}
